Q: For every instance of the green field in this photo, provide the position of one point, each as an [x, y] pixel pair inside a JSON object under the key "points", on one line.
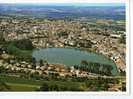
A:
{"points": [[23, 84], [22, 87], [20, 84]]}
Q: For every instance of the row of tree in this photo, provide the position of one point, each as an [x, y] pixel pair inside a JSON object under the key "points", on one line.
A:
{"points": [[95, 84], [93, 67]]}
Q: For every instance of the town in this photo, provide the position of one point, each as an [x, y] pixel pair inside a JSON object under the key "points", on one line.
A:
{"points": [[59, 33], [93, 36]]}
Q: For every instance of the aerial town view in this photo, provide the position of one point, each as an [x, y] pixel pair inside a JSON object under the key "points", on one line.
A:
{"points": [[63, 47]]}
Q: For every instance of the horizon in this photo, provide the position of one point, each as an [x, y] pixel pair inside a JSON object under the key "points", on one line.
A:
{"points": [[68, 4]]}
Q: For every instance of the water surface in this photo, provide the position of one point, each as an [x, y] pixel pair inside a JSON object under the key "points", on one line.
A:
{"points": [[70, 57]]}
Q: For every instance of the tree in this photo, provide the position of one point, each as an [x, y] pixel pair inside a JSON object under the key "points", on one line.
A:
{"points": [[122, 39], [84, 62], [34, 62], [2, 39], [54, 87], [4, 87], [46, 62], [123, 86], [41, 62], [24, 44], [44, 87]]}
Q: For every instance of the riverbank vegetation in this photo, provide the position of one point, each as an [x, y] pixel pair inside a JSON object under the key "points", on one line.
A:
{"points": [[21, 49]]}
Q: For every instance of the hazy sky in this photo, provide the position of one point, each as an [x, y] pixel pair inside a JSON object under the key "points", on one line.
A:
{"points": [[62, 1]]}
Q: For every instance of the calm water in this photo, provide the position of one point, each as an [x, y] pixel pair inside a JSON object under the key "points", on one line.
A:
{"points": [[70, 57]]}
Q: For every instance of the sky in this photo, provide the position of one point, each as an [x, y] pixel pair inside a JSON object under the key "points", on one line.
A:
{"points": [[62, 1]]}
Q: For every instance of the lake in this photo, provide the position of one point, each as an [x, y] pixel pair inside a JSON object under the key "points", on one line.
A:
{"points": [[71, 56]]}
